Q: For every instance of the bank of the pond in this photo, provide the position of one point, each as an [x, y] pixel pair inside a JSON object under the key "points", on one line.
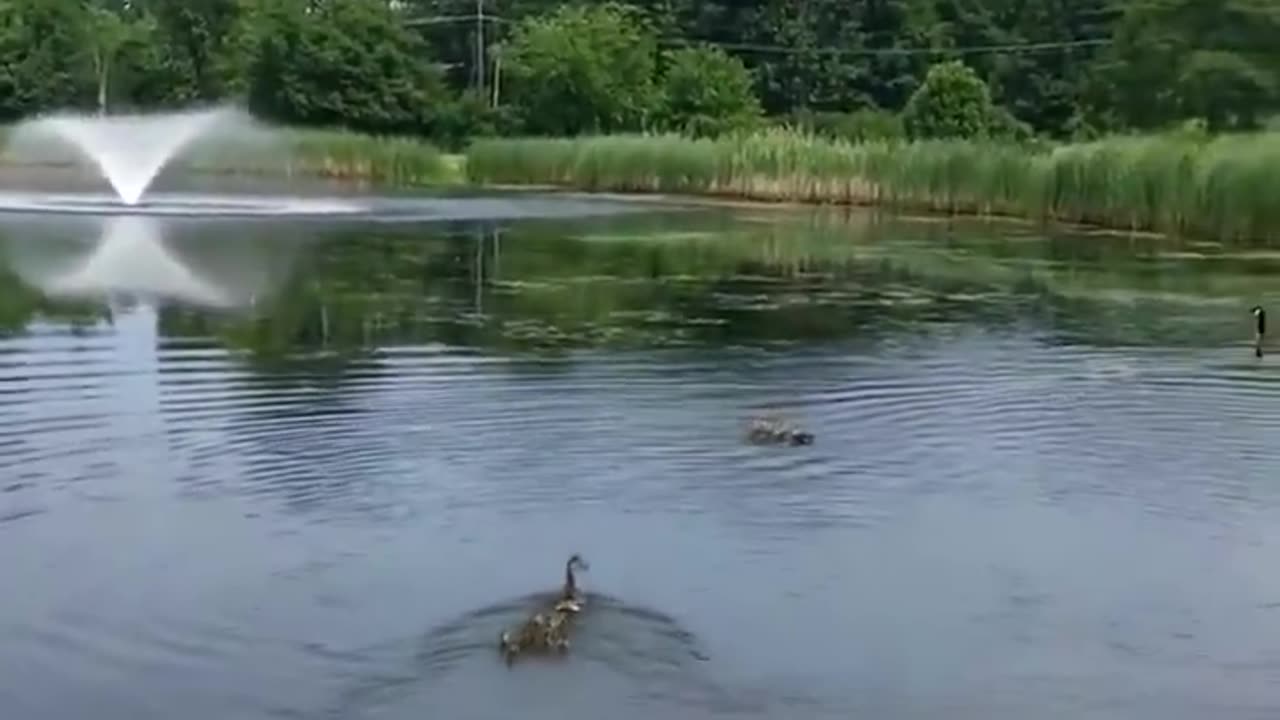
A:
{"points": [[1226, 187]]}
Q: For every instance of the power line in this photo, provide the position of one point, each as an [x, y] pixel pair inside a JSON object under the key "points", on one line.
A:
{"points": [[862, 52], [479, 18], [443, 19], [440, 19]]}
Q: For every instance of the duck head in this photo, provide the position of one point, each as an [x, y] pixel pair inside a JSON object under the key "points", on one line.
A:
{"points": [[1259, 328], [800, 437], [570, 591]]}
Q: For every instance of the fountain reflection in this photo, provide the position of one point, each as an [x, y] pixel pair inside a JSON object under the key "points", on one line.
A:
{"points": [[145, 259]]}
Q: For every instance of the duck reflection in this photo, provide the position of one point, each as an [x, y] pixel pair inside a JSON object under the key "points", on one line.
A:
{"points": [[138, 258]]}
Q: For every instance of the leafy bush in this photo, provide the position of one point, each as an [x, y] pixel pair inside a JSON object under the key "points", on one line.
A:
{"points": [[583, 68], [952, 102], [707, 92], [864, 125], [347, 63]]}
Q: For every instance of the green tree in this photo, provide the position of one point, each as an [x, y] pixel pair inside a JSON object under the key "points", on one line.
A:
{"points": [[196, 35], [811, 73], [583, 69], [952, 102], [822, 56], [1172, 59], [1046, 87], [43, 61], [1225, 88], [449, 28], [110, 32], [339, 62], [891, 29], [707, 92]]}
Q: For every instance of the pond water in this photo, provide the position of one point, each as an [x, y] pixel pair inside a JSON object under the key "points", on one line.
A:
{"points": [[271, 469]]}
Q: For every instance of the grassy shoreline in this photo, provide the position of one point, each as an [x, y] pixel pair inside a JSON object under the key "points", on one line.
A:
{"points": [[1221, 188]]}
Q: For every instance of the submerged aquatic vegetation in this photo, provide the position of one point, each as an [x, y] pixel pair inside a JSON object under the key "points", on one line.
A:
{"points": [[1222, 187]]}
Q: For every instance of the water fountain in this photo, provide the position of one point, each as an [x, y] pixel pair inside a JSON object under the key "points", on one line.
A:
{"points": [[131, 151], [128, 150]]}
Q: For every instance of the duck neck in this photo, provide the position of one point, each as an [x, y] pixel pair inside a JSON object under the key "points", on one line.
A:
{"points": [[570, 582]]}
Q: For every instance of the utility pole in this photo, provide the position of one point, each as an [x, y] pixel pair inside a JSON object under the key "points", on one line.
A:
{"points": [[480, 47], [497, 76]]}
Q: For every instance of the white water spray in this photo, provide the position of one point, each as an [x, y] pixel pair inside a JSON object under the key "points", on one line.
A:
{"points": [[128, 150]]}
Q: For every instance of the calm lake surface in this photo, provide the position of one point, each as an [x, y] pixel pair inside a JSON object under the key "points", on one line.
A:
{"points": [[285, 469]]}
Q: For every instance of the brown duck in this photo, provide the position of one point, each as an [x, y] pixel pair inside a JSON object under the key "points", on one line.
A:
{"points": [[547, 630], [772, 430]]}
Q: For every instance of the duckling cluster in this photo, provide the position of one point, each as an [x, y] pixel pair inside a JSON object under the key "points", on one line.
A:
{"points": [[547, 630], [772, 430]]}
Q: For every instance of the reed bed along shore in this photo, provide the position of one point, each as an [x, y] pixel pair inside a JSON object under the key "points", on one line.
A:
{"points": [[338, 154], [1226, 187]]}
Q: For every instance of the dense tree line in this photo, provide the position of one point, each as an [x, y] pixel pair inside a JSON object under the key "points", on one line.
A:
{"points": [[1056, 67]]}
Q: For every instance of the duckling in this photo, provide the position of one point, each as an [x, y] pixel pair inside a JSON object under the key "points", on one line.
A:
{"points": [[544, 632], [1259, 328], [548, 630], [772, 430]]}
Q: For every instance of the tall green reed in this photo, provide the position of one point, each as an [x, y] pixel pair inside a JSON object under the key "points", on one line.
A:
{"points": [[1226, 187]]}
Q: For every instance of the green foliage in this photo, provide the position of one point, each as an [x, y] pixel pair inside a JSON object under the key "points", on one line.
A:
{"points": [[1170, 59], [859, 126], [705, 91], [109, 34], [458, 121], [194, 40], [345, 62], [586, 68], [842, 69], [1043, 89], [1003, 124], [952, 102], [43, 60], [1225, 88]]}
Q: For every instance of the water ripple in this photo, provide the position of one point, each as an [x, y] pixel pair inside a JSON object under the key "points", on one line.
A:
{"points": [[996, 472]]}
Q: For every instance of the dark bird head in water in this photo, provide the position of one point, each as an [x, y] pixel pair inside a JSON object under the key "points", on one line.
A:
{"points": [[1260, 328], [799, 437], [576, 563]]}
